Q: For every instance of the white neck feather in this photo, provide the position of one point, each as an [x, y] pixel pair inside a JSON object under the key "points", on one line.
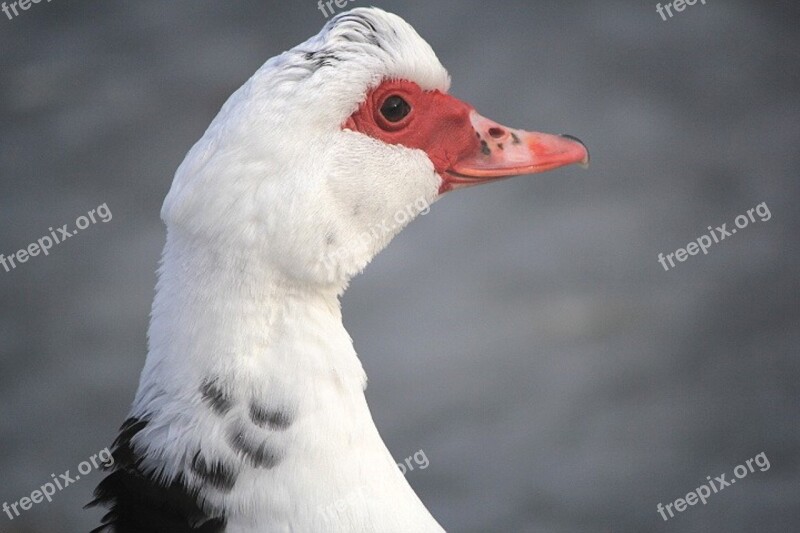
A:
{"points": [[266, 343]]}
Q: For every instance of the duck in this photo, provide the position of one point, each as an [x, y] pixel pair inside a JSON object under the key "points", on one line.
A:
{"points": [[250, 413]]}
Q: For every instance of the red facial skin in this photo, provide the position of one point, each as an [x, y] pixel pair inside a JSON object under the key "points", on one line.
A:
{"points": [[438, 124], [465, 148]]}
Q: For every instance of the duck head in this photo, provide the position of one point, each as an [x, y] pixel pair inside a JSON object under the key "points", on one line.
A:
{"points": [[331, 148]]}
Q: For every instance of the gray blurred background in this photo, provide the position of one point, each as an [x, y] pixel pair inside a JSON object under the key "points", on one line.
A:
{"points": [[522, 334]]}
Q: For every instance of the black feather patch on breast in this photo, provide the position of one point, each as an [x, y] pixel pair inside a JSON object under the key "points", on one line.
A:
{"points": [[215, 473], [215, 396], [275, 419], [139, 503]]}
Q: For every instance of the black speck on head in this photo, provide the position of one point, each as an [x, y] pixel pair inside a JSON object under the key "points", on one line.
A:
{"points": [[260, 454], [216, 398], [330, 238], [215, 474], [500, 145], [485, 148], [320, 58], [270, 418], [360, 26], [478, 134], [515, 138]]}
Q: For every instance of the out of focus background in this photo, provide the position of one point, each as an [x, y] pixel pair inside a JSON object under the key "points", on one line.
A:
{"points": [[522, 334]]}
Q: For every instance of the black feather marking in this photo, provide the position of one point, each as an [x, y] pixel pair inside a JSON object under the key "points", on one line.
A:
{"points": [[219, 401], [320, 58], [368, 23], [123, 451], [358, 19], [260, 454], [364, 27], [215, 474], [274, 419], [138, 502]]}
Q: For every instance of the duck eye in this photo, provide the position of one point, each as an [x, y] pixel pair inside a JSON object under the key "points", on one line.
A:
{"points": [[395, 109]]}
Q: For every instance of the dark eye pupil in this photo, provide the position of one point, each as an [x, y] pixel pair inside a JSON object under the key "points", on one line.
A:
{"points": [[395, 109]]}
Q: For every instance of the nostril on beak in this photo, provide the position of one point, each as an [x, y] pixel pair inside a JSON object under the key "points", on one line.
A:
{"points": [[497, 133]]}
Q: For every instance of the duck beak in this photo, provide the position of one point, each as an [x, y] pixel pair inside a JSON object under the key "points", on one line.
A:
{"points": [[504, 152]]}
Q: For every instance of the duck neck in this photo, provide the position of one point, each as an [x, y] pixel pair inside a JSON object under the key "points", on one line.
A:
{"points": [[217, 315], [255, 373]]}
